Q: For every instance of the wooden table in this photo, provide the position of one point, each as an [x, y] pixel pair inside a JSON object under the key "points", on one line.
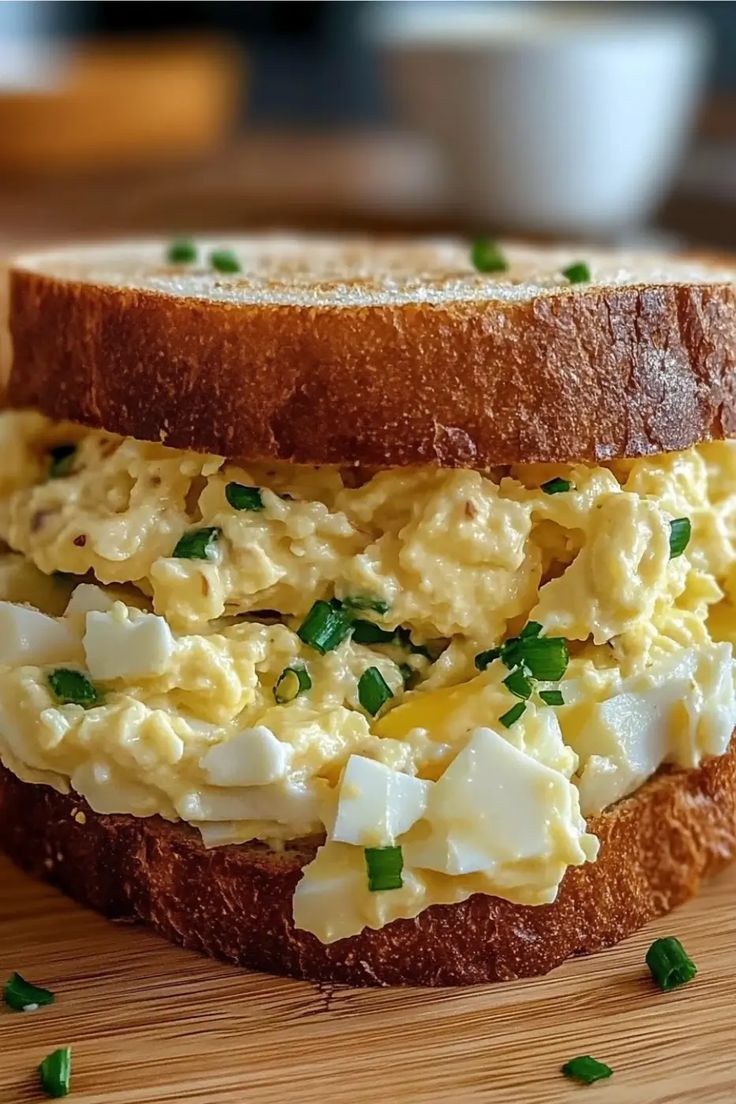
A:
{"points": [[151, 1024]]}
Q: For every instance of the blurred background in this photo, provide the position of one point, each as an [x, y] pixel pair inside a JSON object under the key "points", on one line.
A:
{"points": [[604, 120]]}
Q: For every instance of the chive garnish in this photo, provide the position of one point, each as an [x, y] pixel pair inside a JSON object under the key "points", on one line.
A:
{"points": [[552, 697], [518, 684], [241, 497], [364, 602], [680, 533], [543, 657], [324, 627], [556, 486], [55, 1073], [181, 251], [513, 714], [586, 1069], [484, 659], [61, 460], [532, 628], [367, 632], [407, 674], [373, 690], [577, 273], [292, 682], [385, 865], [22, 996], [73, 688], [669, 963], [199, 544], [224, 260], [487, 256]]}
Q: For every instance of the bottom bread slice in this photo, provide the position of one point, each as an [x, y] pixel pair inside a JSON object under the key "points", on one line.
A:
{"points": [[235, 902]]}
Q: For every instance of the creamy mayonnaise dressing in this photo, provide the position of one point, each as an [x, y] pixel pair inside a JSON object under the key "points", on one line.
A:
{"points": [[187, 656]]}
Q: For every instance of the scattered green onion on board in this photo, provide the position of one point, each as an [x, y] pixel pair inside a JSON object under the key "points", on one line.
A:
{"points": [[241, 497], [552, 697], [577, 273], [680, 533], [669, 963], [586, 1069], [487, 256], [224, 260], [292, 682], [199, 544], [364, 602], [385, 865], [181, 251], [556, 486], [55, 1073], [518, 684], [73, 688], [61, 458], [22, 996], [512, 716], [324, 627], [373, 690]]}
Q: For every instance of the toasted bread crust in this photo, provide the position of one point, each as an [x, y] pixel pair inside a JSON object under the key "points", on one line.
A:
{"points": [[585, 374], [235, 902]]}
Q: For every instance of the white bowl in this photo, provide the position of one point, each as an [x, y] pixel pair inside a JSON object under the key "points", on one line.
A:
{"points": [[567, 120]]}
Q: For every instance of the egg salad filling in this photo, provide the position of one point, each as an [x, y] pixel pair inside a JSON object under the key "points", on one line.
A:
{"points": [[438, 674]]}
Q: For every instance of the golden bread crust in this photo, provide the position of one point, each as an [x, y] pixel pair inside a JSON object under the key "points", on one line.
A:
{"points": [[585, 373], [235, 902]]}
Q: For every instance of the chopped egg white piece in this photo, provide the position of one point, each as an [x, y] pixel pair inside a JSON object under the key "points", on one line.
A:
{"points": [[253, 757], [377, 804], [30, 637], [127, 644]]}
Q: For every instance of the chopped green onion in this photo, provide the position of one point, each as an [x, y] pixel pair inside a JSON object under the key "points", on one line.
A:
{"points": [[324, 627], [552, 697], [366, 632], [385, 865], [182, 251], [403, 637], [578, 273], [407, 673], [513, 714], [487, 256], [363, 602], [669, 964], [373, 690], [199, 544], [545, 657], [292, 682], [62, 458], [484, 659], [680, 533], [532, 628], [55, 1073], [21, 996], [586, 1069], [556, 486], [241, 497], [518, 684], [72, 687], [224, 260]]}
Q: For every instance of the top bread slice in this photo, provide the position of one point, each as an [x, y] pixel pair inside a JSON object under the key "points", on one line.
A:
{"points": [[379, 353]]}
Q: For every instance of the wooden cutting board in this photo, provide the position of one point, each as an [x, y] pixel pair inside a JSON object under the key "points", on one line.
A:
{"points": [[151, 1024]]}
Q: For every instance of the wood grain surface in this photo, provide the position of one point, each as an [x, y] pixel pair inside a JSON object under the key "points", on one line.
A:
{"points": [[151, 1024]]}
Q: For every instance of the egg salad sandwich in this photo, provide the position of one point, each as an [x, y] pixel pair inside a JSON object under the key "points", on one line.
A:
{"points": [[367, 608]]}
